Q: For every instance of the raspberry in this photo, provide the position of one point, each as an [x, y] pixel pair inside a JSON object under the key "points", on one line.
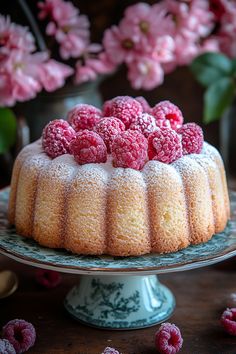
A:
{"points": [[144, 104], [106, 108], [88, 147], [47, 278], [109, 350], [6, 347], [129, 149], [167, 110], [126, 109], [163, 123], [108, 128], [56, 137], [164, 145], [145, 124], [192, 138], [20, 334], [84, 116], [168, 339], [228, 321]]}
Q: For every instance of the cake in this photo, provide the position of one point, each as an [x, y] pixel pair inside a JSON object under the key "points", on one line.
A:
{"points": [[63, 200]]}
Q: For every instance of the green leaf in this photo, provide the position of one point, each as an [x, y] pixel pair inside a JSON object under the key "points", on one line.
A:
{"points": [[217, 98], [210, 67], [7, 129]]}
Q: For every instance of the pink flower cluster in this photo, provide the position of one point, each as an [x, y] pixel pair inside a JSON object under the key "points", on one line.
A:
{"points": [[153, 40], [227, 26], [71, 31], [24, 72]]}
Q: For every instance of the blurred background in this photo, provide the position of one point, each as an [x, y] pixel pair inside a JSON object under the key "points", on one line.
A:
{"points": [[181, 85]]}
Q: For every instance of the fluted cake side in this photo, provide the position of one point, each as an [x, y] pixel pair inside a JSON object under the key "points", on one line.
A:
{"points": [[98, 209]]}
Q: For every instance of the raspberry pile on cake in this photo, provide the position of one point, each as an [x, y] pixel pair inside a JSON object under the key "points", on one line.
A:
{"points": [[126, 180], [131, 132]]}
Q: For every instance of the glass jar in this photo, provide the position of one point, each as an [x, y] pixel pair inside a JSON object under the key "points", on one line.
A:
{"points": [[55, 105]]}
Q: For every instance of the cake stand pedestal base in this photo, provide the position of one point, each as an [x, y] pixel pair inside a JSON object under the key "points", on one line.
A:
{"points": [[120, 302]]}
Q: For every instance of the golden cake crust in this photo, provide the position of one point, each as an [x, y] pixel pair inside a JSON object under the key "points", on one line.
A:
{"points": [[98, 209]]}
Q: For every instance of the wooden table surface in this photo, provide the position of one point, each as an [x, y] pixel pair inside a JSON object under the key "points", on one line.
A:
{"points": [[201, 297]]}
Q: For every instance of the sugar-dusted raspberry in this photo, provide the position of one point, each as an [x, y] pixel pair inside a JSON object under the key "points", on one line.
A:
{"points": [[56, 137], [108, 128], [228, 320], [88, 147], [106, 108], [126, 109], [144, 104], [20, 334], [6, 347], [163, 123], [109, 350], [129, 149], [168, 339], [84, 116], [145, 124], [47, 278], [164, 145], [192, 138], [167, 110]]}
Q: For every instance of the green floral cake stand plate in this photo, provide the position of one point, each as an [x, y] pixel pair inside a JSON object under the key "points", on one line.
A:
{"points": [[117, 292]]}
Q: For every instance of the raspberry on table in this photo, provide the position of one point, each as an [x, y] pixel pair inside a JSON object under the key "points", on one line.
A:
{"points": [[192, 138], [169, 111], [108, 128], [20, 334], [88, 147], [84, 116], [168, 339], [6, 347], [129, 149], [145, 124], [144, 104], [47, 278], [109, 350], [164, 145], [228, 320], [56, 137], [126, 109]]}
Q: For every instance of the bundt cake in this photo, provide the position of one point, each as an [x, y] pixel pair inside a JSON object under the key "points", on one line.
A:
{"points": [[158, 191]]}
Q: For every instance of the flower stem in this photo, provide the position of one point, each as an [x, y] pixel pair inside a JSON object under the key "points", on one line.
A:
{"points": [[33, 24]]}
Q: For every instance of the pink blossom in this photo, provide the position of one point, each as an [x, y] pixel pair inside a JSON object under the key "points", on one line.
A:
{"points": [[58, 10], [185, 50], [227, 32], [84, 73], [120, 43], [92, 67], [147, 22], [145, 73], [211, 44], [13, 36], [52, 74], [163, 49], [70, 29], [190, 19], [18, 77], [6, 97]]}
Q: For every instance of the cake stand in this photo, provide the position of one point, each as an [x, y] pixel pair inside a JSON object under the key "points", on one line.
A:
{"points": [[118, 292]]}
